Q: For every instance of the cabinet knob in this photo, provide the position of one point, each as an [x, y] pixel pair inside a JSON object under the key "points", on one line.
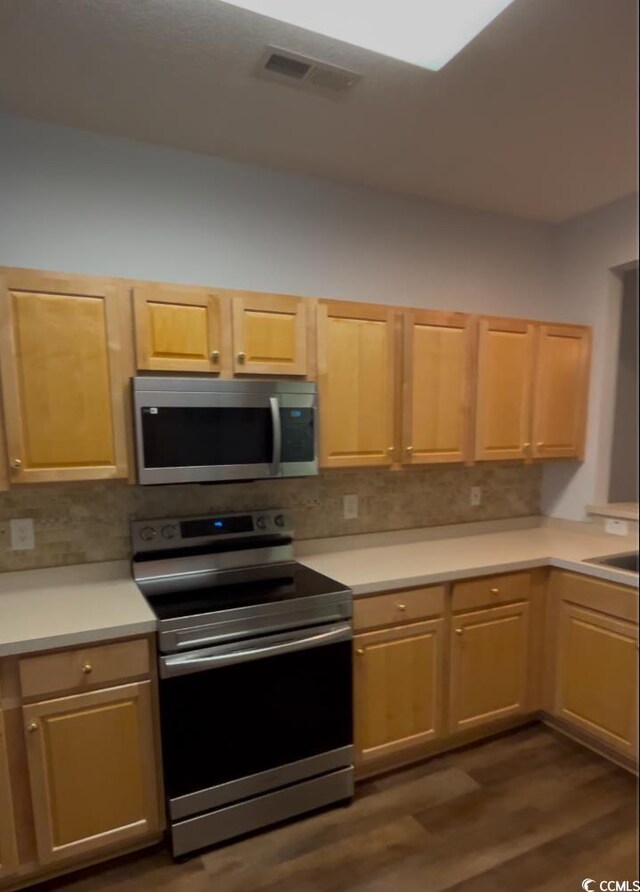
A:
{"points": [[391, 449], [242, 357], [215, 356], [32, 726], [360, 651], [539, 445], [409, 449], [16, 463], [87, 669], [526, 447], [459, 631], [495, 591], [401, 606]]}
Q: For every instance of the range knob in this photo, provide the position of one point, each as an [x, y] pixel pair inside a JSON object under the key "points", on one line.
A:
{"points": [[261, 522], [279, 520], [147, 534], [169, 532]]}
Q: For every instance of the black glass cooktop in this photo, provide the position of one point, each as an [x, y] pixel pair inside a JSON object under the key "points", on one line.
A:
{"points": [[299, 582]]}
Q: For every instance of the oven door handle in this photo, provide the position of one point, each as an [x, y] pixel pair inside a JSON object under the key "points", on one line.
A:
{"points": [[276, 457], [210, 658]]}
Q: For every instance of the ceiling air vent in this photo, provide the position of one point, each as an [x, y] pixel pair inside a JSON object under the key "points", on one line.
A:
{"points": [[290, 68]]}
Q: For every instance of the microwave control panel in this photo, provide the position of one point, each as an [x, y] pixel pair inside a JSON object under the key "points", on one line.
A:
{"points": [[298, 434]]}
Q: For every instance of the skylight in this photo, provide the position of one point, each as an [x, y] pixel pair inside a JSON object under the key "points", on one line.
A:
{"points": [[427, 33]]}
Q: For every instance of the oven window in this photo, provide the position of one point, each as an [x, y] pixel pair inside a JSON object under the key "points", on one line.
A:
{"points": [[188, 437], [229, 722]]}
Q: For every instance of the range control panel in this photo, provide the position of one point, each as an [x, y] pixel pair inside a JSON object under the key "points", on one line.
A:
{"points": [[155, 535]]}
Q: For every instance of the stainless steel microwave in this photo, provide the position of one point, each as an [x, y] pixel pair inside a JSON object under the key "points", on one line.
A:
{"points": [[202, 430]]}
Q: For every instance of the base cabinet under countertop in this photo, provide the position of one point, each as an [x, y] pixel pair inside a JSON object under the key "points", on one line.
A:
{"points": [[79, 758]]}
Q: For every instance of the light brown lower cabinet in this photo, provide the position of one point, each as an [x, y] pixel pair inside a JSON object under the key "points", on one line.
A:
{"points": [[8, 855], [489, 666], [92, 771], [397, 689], [597, 677]]}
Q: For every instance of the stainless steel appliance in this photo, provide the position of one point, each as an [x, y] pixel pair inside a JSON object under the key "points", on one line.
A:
{"points": [[202, 430], [255, 674]]}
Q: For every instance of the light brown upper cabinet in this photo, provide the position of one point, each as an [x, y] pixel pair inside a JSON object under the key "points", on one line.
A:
{"points": [[506, 352], [269, 334], [181, 329], [561, 390], [356, 376], [438, 352], [531, 390], [64, 372]]}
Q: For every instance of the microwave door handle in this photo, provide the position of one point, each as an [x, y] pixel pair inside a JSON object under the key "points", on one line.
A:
{"points": [[277, 435]]}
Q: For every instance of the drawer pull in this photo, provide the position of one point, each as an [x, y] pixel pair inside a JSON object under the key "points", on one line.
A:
{"points": [[459, 631], [360, 651], [242, 357], [215, 356], [401, 606], [16, 464], [87, 669], [32, 726], [495, 591]]}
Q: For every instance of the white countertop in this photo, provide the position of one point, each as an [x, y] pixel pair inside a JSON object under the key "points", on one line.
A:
{"points": [[66, 606], [69, 606], [380, 567]]}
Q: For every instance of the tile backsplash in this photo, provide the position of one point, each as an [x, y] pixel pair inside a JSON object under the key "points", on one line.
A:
{"points": [[83, 523]]}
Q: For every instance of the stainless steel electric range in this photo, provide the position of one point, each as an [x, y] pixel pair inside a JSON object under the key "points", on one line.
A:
{"points": [[255, 674]]}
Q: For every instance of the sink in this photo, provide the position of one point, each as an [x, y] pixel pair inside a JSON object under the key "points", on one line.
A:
{"points": [[628, 560]]}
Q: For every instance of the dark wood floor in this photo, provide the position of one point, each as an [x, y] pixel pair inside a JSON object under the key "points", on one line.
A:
{"points": [[527, 811]]}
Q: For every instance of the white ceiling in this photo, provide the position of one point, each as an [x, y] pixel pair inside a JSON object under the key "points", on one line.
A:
{"points": [[535, 117]]}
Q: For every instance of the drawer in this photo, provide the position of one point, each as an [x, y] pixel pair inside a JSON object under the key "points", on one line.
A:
{"points": [[597, 594], [84, 667], [398, 607], [491, 591]]}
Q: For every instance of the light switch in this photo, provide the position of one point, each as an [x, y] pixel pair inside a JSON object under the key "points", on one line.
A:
{"points": [[22, 535]]}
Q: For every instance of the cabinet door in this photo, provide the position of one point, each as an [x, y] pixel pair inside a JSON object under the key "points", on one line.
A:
{"points": [[397, 689], [489, 666], [357, 385], [505, 380], [92, 771], [179, 329], [597, 676], [8, 855], [560, 396], [63, 378], [269, 334], [437, 371]]}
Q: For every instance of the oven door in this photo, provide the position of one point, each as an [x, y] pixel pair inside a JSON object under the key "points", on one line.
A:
{"points": [[199, 436], [240, 719]]}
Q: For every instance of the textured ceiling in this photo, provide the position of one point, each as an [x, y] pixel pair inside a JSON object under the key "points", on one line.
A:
{"points": [[536, 117]]}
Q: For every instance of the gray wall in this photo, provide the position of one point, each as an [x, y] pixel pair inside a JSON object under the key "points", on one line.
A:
{"points": [[79, 202], [623, 484]]}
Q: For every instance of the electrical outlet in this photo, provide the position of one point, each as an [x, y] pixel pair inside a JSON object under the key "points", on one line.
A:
{"points": [[22, 535], [475, 496], [617, 527], [350, 507]]}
